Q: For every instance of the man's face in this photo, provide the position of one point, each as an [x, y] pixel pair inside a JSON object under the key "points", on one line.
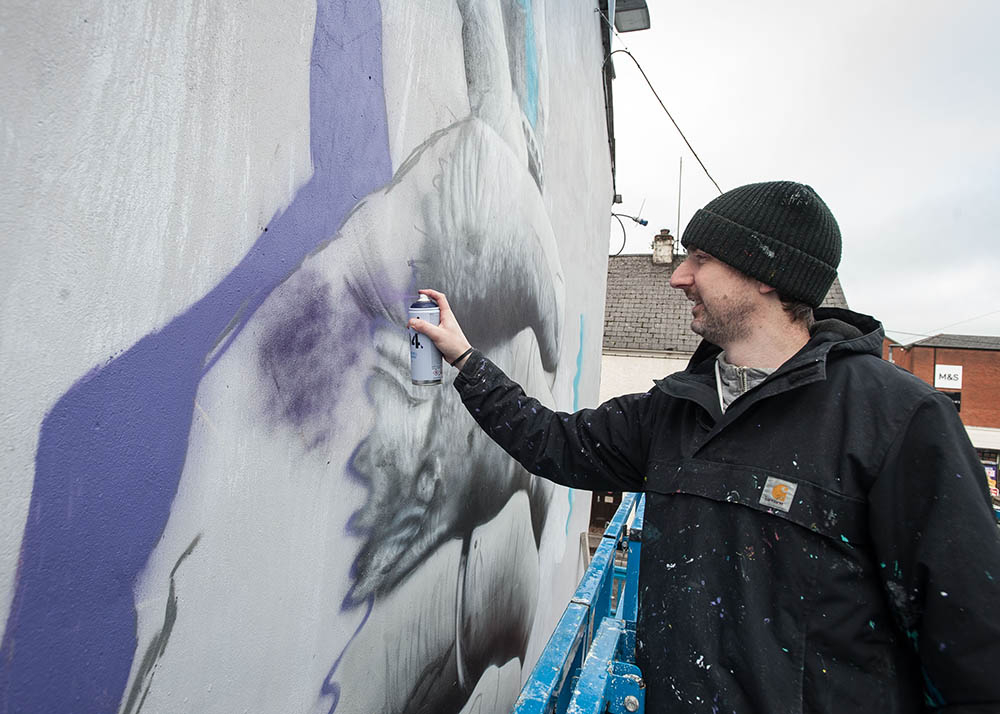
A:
{"points": [[725, 300]]}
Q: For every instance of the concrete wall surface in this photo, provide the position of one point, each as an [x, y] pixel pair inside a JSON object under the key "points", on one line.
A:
{"points": [[219, 491]]}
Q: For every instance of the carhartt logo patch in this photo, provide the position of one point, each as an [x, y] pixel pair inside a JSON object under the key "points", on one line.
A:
{"points": [[778, 494]]}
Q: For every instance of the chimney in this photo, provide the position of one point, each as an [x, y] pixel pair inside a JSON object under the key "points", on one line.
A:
{"points": [[663, 248]]}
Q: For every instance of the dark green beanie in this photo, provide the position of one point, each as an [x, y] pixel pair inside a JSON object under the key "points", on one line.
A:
{"points": [[779, 232]]}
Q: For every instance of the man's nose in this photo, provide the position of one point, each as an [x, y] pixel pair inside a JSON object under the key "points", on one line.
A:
{"points": [[681, 277]]}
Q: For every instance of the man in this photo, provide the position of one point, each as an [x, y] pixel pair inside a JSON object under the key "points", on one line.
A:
{"points": [[818, 535]]}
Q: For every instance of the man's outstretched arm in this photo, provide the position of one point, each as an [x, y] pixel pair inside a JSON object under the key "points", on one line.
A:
{"points": [[595, 449]]}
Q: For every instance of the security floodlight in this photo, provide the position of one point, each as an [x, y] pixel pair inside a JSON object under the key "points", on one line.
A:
{"points": [[631, 15]]}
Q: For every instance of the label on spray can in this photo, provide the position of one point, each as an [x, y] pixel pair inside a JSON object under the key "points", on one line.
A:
{"points": [[425, 359]]}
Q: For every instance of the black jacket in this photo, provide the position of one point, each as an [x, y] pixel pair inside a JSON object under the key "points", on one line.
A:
{"points": [[874, 592]]}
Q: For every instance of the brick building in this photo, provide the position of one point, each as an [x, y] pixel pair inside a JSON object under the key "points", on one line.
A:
{"points": [[967, 369]]}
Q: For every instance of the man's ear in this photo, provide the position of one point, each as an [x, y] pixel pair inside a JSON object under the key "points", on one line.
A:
{"points": [[765, 289]]}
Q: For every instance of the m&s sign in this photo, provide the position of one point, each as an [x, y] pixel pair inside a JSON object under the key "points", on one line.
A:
{"points": [[948, 376]]}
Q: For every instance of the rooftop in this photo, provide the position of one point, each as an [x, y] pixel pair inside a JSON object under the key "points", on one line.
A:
{"points": [[643, 313], [964, 342]]}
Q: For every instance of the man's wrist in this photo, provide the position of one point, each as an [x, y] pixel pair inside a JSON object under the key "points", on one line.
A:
{"points": [[459, 361]]}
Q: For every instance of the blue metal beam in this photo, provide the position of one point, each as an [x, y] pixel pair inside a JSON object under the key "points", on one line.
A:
{"points": [[606, 683], [561, 659]]}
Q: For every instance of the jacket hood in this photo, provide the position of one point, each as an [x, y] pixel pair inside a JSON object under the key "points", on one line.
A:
{"points": [[835, 329], [847, 330]]}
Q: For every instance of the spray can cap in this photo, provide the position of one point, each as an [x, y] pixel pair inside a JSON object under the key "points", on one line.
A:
{"points": [[424, 301]]}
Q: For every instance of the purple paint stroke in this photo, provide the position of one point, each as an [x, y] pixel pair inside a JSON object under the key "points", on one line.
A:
{"points": [[330, 687], [112, 449]]}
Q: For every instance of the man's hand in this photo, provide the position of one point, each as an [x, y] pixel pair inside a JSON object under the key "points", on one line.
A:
{"points": [[447, 336]]}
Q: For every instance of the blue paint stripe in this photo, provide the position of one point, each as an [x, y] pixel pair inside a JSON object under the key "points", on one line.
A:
{"points": [[530, 64], [576, 406]]}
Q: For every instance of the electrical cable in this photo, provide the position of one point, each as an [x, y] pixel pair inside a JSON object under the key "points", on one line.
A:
{"points": [[985, 314], [619, 217], [937, 331], [669, 116], [653, 90], [640, 221], [624, 234]]}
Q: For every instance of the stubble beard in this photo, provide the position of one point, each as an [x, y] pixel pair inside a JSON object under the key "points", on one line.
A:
{"points": [[724, 323]]}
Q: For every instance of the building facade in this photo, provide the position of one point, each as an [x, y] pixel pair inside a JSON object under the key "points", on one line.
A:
{"points": [[967, 369]]}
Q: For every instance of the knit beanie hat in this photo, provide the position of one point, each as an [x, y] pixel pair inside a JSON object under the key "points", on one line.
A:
{"points": [[779, 232]]}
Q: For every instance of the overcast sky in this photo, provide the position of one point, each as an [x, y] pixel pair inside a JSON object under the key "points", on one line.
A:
{"points": [[890, 110]]}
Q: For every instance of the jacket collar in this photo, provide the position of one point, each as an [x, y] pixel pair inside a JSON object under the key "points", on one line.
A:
{"points": [[836, 331]]}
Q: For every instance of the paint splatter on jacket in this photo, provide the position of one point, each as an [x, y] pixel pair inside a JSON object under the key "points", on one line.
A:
{"points": [[826, 545]]}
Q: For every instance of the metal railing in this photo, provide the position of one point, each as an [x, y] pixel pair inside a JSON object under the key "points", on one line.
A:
{"points": [[588, 665]]}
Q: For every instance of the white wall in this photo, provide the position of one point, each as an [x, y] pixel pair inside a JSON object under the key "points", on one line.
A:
{"points": [[632, 374]]}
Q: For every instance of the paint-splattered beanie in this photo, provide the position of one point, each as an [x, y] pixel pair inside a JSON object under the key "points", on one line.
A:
{"points": [[779, 232]]}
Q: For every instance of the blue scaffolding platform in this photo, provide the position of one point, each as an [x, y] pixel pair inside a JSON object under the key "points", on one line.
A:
{"points": [[588, 665]]}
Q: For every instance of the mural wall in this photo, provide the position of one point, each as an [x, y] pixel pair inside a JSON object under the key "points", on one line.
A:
{"points": [[219, 491]]}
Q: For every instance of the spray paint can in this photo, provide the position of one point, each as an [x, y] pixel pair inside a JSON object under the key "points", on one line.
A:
{"points": [[425, 359]]}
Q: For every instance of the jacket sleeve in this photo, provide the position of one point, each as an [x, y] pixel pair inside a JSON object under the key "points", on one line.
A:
{"points": [[938, 549], [594, 449]]}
